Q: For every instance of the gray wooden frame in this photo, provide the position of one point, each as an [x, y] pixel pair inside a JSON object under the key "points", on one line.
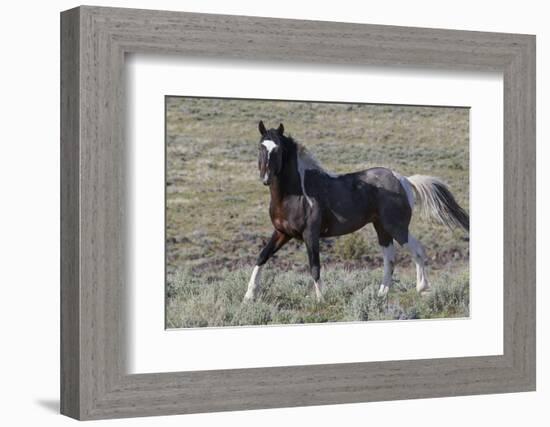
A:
{"points": [[94, 41]]}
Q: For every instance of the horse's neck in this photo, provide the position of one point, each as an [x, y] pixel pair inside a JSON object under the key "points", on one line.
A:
{"points": [[288, 182], [276, 190]]}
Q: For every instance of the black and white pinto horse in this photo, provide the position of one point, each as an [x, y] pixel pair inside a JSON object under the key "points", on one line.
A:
{"points": [[308, 203]]}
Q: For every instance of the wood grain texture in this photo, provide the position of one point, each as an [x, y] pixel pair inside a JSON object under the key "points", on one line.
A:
{"points": [[94, 382], [70, 292]]}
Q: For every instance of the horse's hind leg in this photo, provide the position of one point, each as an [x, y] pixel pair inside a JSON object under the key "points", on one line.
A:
{"points": [[277, 240], [415, 248], [388, 251], [419, 257]]}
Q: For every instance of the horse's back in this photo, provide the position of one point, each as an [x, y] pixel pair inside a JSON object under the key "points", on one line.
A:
{"points": [[381, 178], [378, 191]]}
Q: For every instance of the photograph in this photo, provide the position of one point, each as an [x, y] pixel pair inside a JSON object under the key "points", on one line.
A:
{"points": [[296, 212]]}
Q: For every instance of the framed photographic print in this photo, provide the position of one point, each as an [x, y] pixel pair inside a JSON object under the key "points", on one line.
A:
{"points": [[262, 213]]}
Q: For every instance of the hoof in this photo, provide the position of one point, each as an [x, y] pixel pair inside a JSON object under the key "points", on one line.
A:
{"points": [[248, 298], [425, 291], [423, 288], [383, 291]]}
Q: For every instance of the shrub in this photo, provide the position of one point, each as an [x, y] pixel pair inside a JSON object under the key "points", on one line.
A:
{"points": [[352, 247], [252, 313], [451, 296], [289, 298], [367, 305]]}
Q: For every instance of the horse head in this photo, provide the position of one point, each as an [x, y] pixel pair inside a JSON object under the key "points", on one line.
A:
{"points": [[270, 152]]}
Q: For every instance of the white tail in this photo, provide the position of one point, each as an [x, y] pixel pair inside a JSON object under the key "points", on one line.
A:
{"points": [[436, 202]]}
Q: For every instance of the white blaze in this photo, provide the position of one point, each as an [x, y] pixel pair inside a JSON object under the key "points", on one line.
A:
{"points": [[269, 146]]}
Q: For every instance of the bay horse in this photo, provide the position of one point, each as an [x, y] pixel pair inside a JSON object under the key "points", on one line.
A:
{"points": [[308, 203]]}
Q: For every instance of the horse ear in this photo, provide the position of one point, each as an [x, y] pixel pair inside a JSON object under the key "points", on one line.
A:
{"points": [[281, 129], [261, 128]]}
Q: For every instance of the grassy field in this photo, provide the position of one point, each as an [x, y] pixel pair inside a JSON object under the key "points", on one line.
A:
{"points": [[218, 221]]}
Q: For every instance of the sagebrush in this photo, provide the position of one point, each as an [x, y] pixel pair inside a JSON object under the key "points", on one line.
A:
{"points": [[288, 297]]}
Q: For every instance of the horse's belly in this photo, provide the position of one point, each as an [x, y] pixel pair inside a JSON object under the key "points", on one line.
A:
{"points": [[347, 216], [340, 228]]}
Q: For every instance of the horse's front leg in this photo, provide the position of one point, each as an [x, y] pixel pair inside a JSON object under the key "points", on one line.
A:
{"points": [[277, 240], [311, 239]]}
